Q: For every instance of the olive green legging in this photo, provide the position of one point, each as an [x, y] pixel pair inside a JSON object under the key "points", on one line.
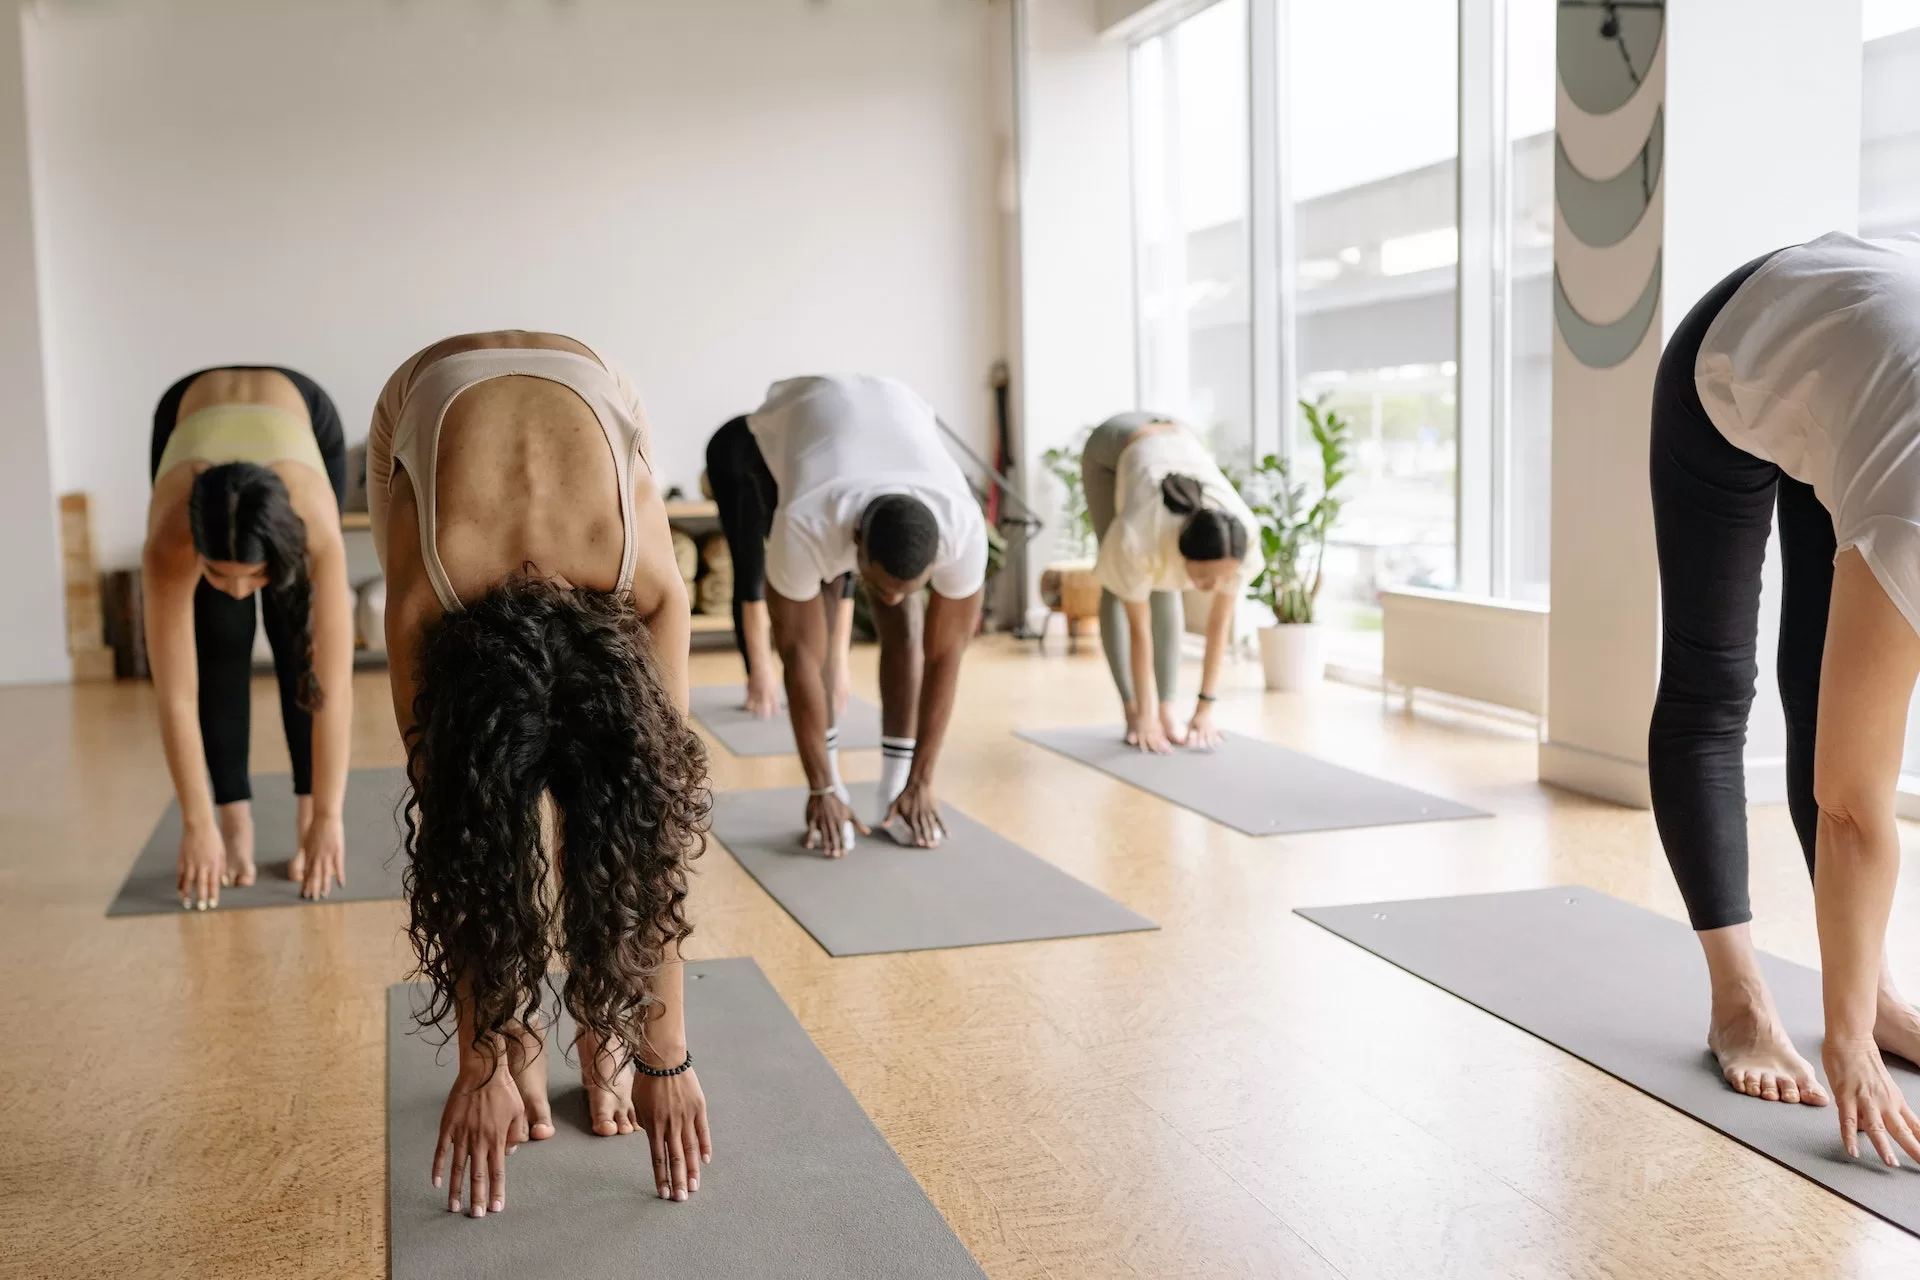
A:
{"points": [[1099, 477]]}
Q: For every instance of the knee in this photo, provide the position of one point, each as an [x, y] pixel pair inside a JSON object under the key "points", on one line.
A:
{"points": [[1849, 808]]}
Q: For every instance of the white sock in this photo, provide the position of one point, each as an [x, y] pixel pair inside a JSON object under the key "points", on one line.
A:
{"points": [[833, 765], [896, 762]]}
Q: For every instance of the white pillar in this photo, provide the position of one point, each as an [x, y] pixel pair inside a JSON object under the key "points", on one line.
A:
{"points": [[1741, 135], [33, 639]]}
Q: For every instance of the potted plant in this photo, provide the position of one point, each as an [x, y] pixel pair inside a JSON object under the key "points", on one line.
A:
{"points": [[1295, 520], [1076, 525]]}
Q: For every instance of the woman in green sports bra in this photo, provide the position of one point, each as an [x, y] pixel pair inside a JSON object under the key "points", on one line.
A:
{"points": [[249, 472]]}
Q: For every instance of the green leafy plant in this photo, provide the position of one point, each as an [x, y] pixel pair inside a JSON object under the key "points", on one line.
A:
{"points": [[1296, 518], [1076, 525]]}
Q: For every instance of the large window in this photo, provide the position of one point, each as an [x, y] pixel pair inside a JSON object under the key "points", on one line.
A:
{"points": [[1190, 118], [1359, 208], [1372, 108], [1890, 118]]}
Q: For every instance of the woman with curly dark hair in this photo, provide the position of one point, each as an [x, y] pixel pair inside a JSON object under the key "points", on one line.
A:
{"points": [[249, 471], [537, 631]]}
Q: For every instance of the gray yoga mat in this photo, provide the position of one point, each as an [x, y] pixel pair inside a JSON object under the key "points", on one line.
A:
{"points": [[722, 708], [374, 859], [1626, 990], [802, 1185], [976, 888], [1253, 786]]}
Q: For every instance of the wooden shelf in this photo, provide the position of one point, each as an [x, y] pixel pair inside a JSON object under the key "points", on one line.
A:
{"points": [[712, 622], [356, 520], [693, 511]]}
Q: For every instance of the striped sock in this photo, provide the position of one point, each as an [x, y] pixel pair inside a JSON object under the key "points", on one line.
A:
{"points": [[833, 765], [896, 762]]}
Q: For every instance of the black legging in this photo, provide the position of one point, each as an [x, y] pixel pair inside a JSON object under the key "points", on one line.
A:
{"points": [[744, 490], [223, 626], [1713, 507]]}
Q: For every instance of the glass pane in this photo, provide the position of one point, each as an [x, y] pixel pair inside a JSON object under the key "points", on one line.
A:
{"points": [[1528, 480], [1190, 165], [1890, 120], [1373, 111]]}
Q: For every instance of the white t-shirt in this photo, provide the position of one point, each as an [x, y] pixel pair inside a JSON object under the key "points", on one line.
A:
{"points": [[1814, 365], [1141, 552], [836, 443]]}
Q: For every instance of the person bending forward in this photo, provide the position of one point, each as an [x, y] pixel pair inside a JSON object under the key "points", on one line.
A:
{"points": [[1168, 521], [537, 632], [864, 485], [1793, 388], [249, 471]]}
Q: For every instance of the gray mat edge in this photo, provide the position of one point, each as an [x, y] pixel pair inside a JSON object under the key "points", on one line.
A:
{"points": [[1306, 913], [1027, 735], [1151, 925], [693, 715]]}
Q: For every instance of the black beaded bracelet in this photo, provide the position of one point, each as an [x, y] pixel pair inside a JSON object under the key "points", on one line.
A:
{"points": [[646, 1070], [1207, 697]]}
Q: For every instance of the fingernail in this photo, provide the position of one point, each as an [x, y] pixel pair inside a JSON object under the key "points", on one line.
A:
{"points": [[680, 1196], [479, 1211], [663, 1193], [498, 1205], [436, 1182]]}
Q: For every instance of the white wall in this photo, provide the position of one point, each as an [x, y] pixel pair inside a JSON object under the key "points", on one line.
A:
{"points": [[717, 194], [1076, 233], [33, 640]]}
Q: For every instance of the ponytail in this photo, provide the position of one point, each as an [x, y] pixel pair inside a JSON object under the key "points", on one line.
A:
{"points": [[242, 513], [1206, 533]]}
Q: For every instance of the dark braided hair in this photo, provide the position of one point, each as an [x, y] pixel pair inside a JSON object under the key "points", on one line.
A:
{"points": [[1208, 533], [537, 689], [242, 513]]}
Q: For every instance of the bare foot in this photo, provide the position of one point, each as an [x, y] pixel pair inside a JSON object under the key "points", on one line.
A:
{"points": [[1896, 1027], [1170, 724], [236, 835], [609, 1105], [1756, 1056], [530, 1077], [297, 869], [302, 819]]}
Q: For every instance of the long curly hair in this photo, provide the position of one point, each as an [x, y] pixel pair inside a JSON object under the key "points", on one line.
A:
{"points": [[242, 513], [535, 689]]}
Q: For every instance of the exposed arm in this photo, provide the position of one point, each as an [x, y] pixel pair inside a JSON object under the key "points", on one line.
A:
{"points": [[660, 595], [1200, 732], [1866, 680], [672, 1109], [949, 625], [333, 721], [800, 634], [169, 577]]}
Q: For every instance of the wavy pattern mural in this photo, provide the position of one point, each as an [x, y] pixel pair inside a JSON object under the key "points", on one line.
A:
{"points": [[1605, 50]]}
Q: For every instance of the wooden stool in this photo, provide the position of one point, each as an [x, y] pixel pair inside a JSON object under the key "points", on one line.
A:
{"points": [[1069, 587]]}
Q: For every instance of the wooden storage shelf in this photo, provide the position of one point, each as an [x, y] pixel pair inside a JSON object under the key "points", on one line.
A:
{"points": [[712, 622], [693, 511], [356, 520]]}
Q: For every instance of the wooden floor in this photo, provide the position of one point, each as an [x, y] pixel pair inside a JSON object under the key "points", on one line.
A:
{"points": [[1238, 1094]]}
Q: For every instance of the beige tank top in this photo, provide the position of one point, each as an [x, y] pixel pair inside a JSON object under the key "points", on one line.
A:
{"points": [[416, 436]]}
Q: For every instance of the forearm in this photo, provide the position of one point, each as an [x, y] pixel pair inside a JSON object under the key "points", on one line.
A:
{"points": [[1856, 864], [332, 741], [186, 757], [671, 628], [1146, 694], [666, 1045], [938, 686], [758, 637], [807, 706], [1219, 635]]}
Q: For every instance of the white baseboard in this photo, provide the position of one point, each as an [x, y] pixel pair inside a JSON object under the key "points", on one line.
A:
{"points": [[1590, 773]]}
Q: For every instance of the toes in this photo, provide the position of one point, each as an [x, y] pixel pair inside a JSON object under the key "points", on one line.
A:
{"points": [[1770, 1088], [1789, 1091]]}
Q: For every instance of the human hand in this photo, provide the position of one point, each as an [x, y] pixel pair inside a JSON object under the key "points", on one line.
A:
{"points": [[917, 807], [827, 819], [1200, 730], [1151, 736], [1869, 1101], [484, 1113], [673, 1111], [323, 855], [763, 696], [203, 859]]}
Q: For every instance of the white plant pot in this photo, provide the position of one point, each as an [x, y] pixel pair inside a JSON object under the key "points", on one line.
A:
{"points": [[1293, 655]]}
